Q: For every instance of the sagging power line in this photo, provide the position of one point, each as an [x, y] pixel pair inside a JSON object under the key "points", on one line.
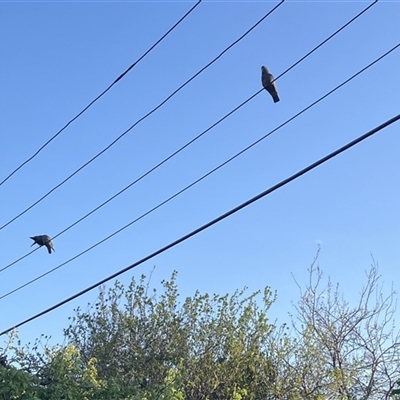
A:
{"points": [[214, 221], [205, 175], [100, 95], [142, 118], [196, 137]]}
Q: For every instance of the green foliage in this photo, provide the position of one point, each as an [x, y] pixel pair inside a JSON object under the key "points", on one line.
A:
{"points": [[137, 344], [16, 384], [214, 346]]}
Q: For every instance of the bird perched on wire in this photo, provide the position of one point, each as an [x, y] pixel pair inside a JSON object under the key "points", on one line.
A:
{"points": [[43, 240], [267, 81]]}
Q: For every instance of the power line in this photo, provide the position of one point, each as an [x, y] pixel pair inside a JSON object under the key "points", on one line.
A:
{"points": [[214, 221], [195, 138], [100, 95], [202, 177], [329, 38], [142, 118]]}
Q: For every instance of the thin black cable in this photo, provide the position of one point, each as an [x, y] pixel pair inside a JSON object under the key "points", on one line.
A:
{"points": [[199, 179], [194, 139], [101, 94], [142, 118], [329, 38], [215, 221]]}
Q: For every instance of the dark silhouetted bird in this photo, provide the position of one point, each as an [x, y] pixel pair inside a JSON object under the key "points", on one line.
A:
{"points": [[267, 81], [43, 240]]}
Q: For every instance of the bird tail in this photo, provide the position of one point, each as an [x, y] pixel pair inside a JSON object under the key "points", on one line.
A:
{"points": [[276, 98]]}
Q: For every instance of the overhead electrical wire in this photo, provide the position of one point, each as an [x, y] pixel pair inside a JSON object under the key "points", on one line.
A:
{"points": [[214, 221], [195, 138], [101, 94], [143, 118], [205, 175]]}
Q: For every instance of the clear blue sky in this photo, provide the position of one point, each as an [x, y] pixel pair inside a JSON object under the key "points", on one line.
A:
{"points": [[57, 56]]}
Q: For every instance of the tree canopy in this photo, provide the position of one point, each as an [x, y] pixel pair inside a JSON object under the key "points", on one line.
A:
{"points": [[136, 343]]}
